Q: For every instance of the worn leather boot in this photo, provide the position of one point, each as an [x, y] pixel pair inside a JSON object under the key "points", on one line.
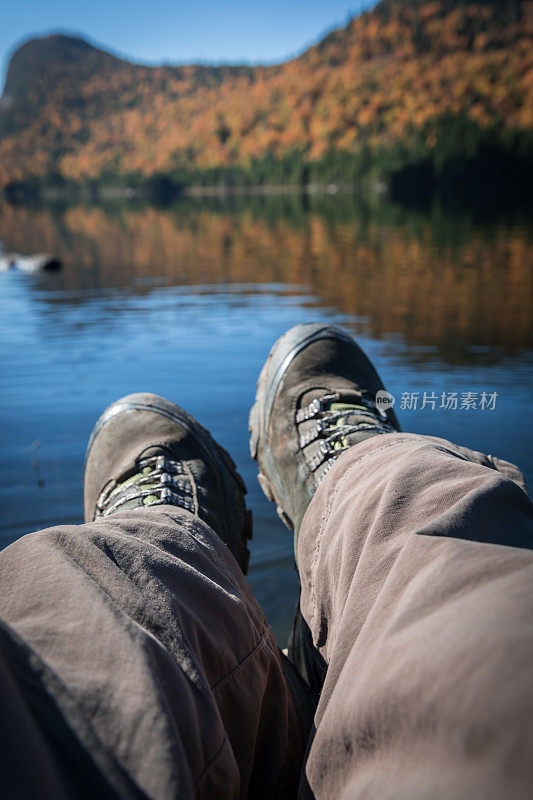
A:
{"points": [[146, 451], [316, 397]]}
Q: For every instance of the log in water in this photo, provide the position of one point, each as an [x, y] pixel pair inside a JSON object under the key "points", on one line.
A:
{"points": [[41, 262]]}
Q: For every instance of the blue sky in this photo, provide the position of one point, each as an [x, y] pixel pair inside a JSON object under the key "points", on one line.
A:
{"points": [[176, 32]]}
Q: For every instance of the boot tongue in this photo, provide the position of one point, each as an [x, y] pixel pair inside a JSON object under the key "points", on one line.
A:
{"points": [[145, 484], [154, 450], [350, 408], [355, 415], [347, 400], [344, 407], [134, 468], [350, 401], [346, 396]]}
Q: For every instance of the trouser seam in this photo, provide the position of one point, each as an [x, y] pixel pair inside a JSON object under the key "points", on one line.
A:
{"points": [[398, 439], [211, 762], [242, 663]]}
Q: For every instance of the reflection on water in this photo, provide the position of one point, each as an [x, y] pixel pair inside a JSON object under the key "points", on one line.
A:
{"points": [[443, 284], [187, 301]]}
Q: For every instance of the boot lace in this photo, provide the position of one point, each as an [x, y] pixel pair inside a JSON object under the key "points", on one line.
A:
{"points": [[155, 480], [333, 428]]}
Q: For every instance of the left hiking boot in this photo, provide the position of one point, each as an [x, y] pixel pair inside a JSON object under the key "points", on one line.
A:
{"points": [[146, 451], [316, 397]]}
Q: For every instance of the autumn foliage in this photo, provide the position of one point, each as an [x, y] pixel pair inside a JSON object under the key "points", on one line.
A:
{"points": [[407, 81]]}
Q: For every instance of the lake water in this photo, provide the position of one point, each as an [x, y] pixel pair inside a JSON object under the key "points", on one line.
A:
{"points": [[186, 302]]}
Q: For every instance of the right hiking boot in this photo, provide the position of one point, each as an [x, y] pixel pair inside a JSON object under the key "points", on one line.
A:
{"points": [[316, 398], [146, 451]]}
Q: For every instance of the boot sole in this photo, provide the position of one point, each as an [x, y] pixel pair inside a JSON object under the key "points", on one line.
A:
{"points": [[284, 350], [213, 452]]}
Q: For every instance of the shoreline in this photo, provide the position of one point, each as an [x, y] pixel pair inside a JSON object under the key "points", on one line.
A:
{"points": [[23, 193]]}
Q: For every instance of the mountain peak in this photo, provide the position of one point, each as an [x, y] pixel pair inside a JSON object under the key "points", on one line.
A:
{"points": [[411, 79], [57, 51]]}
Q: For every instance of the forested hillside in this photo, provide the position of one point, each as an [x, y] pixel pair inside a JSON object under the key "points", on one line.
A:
{"points": [[411, 88]]}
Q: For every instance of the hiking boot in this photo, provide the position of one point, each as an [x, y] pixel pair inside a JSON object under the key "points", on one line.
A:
{"points": [[146, 451], [315, 398]]}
